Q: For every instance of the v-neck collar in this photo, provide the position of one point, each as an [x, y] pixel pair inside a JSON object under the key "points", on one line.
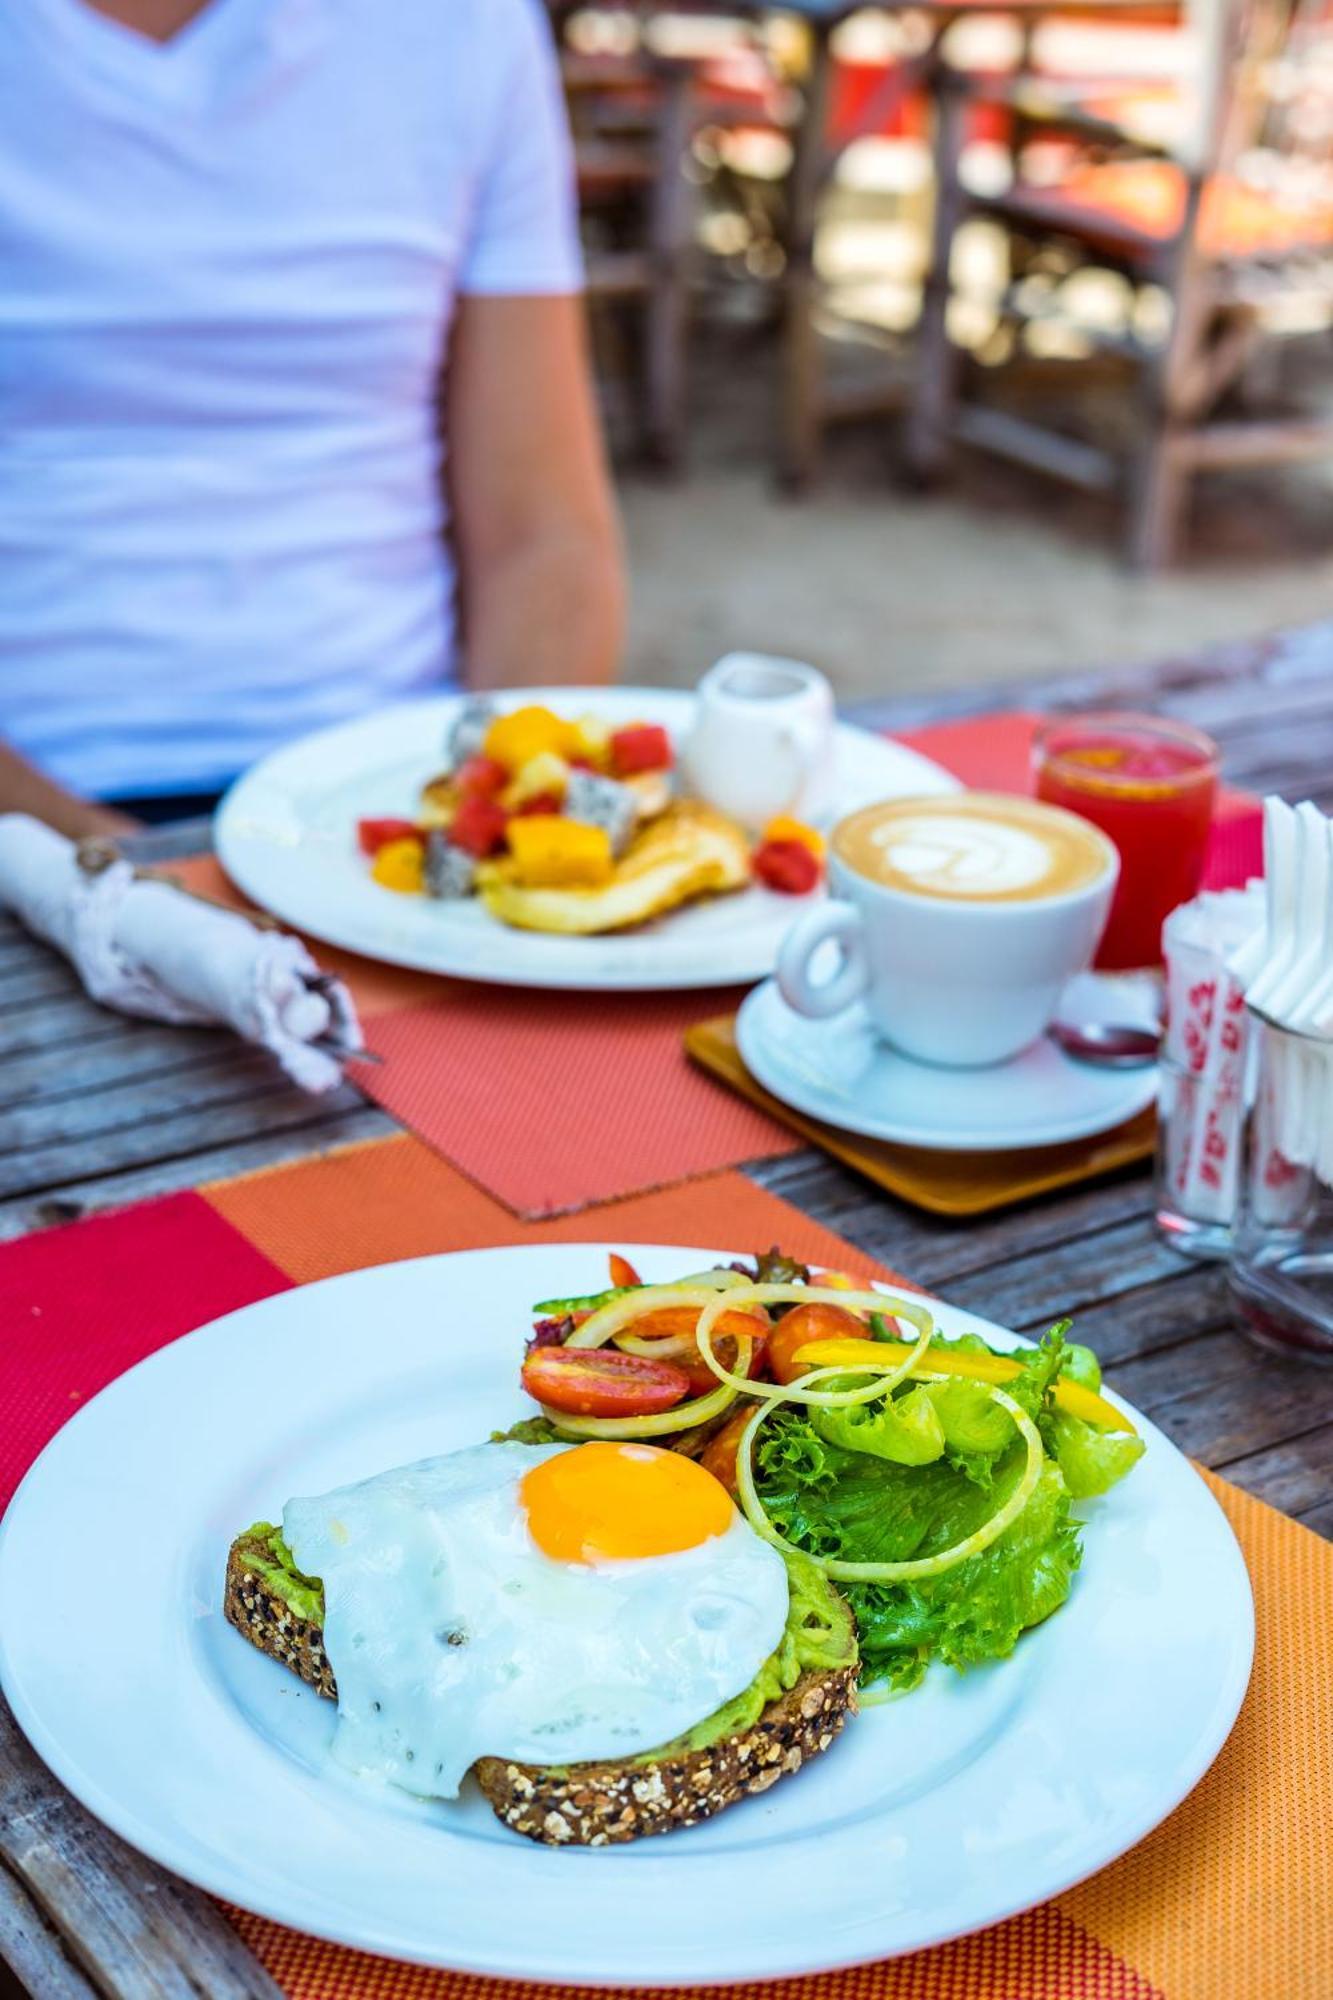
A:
{"points": [[186, 70]]}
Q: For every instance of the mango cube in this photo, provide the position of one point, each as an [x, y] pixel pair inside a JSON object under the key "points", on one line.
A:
{"points": [[525, 733], [551, 852], [401, 865]]}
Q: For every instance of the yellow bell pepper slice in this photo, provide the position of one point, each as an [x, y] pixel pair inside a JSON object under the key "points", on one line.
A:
{"points": [[1071, 1397], [551, 852], [400, 865]]}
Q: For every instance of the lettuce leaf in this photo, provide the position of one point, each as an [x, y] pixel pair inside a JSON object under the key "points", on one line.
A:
{"points": [[847, 1503], [1092, 1461], [978, 1610], [905, 1429], [976, 1430]]}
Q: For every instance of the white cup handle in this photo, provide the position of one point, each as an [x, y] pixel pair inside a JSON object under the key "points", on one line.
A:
{"points": [[842, 923]]}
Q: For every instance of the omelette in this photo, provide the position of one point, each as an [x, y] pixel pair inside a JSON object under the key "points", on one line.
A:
{"points": [[685, 852]]}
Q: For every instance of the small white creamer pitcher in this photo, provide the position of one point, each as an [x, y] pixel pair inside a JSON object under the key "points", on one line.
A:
{"points": [[761, 742]]}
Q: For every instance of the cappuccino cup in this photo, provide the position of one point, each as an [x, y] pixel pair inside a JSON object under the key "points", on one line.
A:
{"points": [[959, 920]]}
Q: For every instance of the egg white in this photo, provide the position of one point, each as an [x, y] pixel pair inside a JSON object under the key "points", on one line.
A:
{"points": [[453, 1636]]}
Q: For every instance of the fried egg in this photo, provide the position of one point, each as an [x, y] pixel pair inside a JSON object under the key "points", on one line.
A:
{"points": [[547, 1603]]}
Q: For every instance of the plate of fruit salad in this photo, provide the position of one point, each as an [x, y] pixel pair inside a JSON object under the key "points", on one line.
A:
{"points": [[539, 837]]}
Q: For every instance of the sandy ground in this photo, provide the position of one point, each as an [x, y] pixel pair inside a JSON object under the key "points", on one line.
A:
{"points": [[1000, 574]]}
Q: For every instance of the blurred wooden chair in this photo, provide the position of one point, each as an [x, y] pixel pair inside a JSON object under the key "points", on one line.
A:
{"points": [[632, 120], [1237, 230]]}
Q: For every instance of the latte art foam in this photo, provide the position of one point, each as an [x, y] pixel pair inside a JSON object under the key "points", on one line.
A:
{"points": [[975, 847], [962, 857]]}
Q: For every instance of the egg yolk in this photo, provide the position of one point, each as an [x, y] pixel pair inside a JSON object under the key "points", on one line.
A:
{"points": [[602, 1502]]}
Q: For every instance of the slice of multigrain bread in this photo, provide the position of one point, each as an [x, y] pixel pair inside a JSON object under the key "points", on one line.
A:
{"points": [[595, 1804]]}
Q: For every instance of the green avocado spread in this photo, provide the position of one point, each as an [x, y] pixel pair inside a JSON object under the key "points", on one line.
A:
{"points": [[819, 1633], [274, 1564]]}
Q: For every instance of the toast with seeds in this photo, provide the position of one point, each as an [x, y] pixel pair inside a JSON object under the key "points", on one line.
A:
{"points": [[589, 1804]]}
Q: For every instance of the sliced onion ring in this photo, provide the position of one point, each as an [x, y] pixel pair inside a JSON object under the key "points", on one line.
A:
{"points": [[920, 1566], [660, 1349], [720, 1293], [883, 1382], [617, 1314]]}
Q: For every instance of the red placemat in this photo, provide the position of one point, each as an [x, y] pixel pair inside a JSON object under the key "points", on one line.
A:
{"points": [[548, 1100], [1230, 1899], [556, 1100]]}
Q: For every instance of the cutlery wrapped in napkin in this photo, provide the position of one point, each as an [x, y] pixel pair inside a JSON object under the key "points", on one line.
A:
{"points": [[144, 946]]}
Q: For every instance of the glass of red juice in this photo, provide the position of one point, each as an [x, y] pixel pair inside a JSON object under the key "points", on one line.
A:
{"points": [[1151, 785]]}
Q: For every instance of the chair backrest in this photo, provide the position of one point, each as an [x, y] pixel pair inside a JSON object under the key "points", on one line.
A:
{"points": [[1266, 83]]}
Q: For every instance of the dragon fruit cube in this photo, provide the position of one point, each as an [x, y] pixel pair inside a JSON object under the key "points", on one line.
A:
{"points": [[468, 731], [598, 801], [450, 873]]}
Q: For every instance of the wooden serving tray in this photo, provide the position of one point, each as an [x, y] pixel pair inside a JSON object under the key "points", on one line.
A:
{"points": [[943, 1183]]}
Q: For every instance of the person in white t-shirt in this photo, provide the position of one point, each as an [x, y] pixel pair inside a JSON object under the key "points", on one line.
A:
{"points": [[295, 417]]}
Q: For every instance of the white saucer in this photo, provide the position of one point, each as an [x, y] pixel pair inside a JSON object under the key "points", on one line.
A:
{"points": [[839, 1071]]}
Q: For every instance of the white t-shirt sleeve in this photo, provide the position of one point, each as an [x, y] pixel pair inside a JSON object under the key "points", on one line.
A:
{"points": [[524, 236]]}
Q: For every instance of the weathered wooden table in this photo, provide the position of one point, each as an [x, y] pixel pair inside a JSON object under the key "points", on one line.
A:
{"points": [[96, 1110]]}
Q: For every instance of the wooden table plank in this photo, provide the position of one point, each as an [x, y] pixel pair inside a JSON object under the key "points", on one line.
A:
{"points": [[32, 1946], [215, 1161], [251, 1106], [136, 1931], [1293, 1477], [44, 1076]]}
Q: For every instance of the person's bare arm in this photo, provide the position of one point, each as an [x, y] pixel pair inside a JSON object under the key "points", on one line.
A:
{"points": [[540, 564], [25, 789]]}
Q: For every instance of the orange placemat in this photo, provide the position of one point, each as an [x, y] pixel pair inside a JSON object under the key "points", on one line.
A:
{"points": [[944, 1183], [1230, 1899]]}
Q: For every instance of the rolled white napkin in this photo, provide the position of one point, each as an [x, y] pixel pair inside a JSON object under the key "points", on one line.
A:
{"points": [[146, 947]]}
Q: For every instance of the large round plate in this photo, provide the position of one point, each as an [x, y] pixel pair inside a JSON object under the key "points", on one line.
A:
{"points": [[955, 1806], [286, 834], [839, 1071]]}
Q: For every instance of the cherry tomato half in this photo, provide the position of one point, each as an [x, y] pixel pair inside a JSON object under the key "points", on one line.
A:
{"points": [[622, 1271], [602, 1382], [719, 1455], [702, 1378], [666, 1322], [799, 1327]]}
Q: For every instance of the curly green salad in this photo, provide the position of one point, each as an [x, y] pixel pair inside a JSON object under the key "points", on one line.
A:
{"points": [[934, 1483]]}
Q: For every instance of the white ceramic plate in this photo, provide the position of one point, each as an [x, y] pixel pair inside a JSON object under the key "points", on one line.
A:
{"points": [[969, 1799], [286, 834], [839, 1071]]}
